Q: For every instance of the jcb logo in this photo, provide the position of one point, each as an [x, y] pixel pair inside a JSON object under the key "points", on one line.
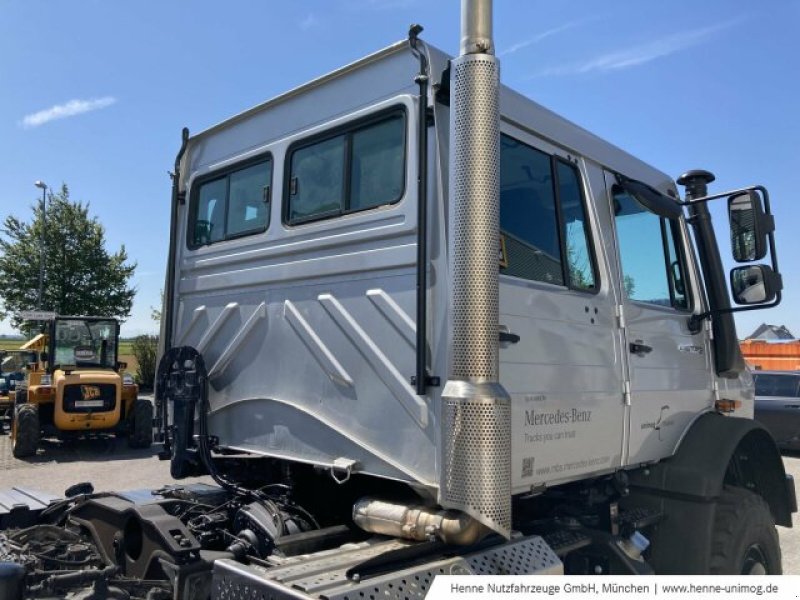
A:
{"points": [[90, 392]]}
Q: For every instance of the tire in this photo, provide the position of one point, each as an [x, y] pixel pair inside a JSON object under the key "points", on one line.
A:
{"points": [[26, 430], [744, 540], [141, 432]]}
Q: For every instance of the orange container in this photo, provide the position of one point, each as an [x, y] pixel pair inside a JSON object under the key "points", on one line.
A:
{"points": [[772, 356]]}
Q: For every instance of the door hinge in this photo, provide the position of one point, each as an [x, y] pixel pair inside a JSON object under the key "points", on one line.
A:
{"points": [[620, 310], [715, 389], [708, 327], [626, 392]]}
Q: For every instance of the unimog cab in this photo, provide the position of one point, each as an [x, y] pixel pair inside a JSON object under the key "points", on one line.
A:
{"points": [[415, 324], [78, 387]]}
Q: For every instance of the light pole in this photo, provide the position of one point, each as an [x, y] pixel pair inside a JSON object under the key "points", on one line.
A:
{"points": [[42, 186]]}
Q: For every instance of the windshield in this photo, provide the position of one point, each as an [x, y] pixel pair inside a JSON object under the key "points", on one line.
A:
{"points": [[777, 385], [15, 362], [85, 342]]}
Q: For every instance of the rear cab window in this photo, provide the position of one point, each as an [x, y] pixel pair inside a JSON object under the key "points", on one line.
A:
{"points": [[230, 203], [348, 170]]}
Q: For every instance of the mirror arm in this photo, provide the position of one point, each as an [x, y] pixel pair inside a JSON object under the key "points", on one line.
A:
{"points": [[696, 320], [759, 188]]}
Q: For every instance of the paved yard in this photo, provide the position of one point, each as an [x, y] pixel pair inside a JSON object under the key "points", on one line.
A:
{"points": [[107, 462]]}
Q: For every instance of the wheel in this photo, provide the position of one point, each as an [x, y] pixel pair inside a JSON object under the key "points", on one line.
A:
{"points": [[744, 540], [25, 430], [141, 431]]}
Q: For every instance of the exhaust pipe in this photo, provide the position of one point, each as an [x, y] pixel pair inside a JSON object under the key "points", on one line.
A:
{"points": [[417, 522], [475, 475]]}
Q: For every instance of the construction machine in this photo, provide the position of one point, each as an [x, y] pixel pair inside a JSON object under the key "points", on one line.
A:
{"points": [[76, 387]]}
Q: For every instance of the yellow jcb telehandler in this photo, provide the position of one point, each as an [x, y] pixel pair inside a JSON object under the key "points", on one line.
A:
{"points": [[76, 386]]}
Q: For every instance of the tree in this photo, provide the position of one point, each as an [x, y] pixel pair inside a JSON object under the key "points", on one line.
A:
{"points": [[155, 313], [81, 277], [145, 349], [630, 286]]}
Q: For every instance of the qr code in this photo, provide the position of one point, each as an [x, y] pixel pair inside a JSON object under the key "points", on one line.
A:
{"points": [[527, 467]]}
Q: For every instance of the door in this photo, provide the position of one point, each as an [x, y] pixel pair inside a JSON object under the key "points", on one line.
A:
{"points": [[558, 349], [669, 368]]}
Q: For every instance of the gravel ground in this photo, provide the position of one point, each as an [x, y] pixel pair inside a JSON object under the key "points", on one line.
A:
{"points": [[110, 465], [106, 461]]}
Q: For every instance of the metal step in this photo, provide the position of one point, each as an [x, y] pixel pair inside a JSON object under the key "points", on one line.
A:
{"points": [[325, 575], [20, 507]]}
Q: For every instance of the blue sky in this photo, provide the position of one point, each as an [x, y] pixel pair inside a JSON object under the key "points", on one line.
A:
{"points": [[94, 93]]}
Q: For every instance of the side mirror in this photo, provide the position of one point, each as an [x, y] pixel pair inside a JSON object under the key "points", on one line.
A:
{"points": [[749, 226], [755, 284]]}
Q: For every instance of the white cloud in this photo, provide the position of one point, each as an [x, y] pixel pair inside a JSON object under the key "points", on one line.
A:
{"points": [[309, 22], [641, 54], [68, 109], [540, 36]]}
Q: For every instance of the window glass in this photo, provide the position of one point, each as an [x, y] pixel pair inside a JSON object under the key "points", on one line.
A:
{"points": [[776, 385], [652, 265], [317, 181], [210, 217], [236, 203], [675, 271], [248, 202], [528, 219], [357, 170], [82, 342], [579, 258], [377, 164]]}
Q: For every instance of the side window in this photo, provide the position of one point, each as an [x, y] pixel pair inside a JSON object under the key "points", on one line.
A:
{"points": [[652, 266], [675, 271], [234, 204], [543, 224], [528, 220], [580, 266], [355, 170]]}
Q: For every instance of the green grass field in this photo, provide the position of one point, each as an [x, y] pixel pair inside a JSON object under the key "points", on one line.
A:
{"points": [[125, 353], [6, 344]]}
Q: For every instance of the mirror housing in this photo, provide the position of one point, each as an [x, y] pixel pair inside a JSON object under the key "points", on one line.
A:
{"points": [[749, 225], [754, 284]]}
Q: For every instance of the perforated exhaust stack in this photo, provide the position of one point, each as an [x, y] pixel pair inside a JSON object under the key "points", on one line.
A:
{"points": [[476, 412]]}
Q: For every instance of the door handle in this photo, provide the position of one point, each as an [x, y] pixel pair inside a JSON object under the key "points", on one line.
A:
{"points": [[639, 348], [507, 336]]}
